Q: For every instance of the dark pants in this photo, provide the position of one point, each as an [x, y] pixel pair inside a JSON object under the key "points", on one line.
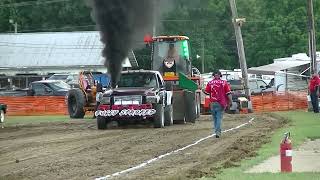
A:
{"points": [[315, 101]]}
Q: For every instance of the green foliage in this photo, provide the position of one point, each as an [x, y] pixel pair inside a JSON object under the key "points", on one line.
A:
{"points": [[69, 15], [273, 29]]}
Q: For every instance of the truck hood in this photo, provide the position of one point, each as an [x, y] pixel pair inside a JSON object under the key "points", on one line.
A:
{"points": [[131, 91]]}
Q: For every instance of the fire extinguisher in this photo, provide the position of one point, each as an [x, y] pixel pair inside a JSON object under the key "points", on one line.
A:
{"points": [[286, 153]]}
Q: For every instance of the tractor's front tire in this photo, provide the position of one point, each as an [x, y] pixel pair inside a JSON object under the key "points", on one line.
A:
{"points": [[76, 102]]}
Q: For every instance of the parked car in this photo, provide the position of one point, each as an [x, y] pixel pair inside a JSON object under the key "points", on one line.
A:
{"points": [[258, 86], [72, 78], [3, 111], [48, 88]]}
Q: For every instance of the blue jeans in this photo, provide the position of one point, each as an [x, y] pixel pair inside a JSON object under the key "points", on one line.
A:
{"points": [[217, 114]]}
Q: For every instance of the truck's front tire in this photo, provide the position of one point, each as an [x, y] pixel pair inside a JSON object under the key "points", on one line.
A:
{"points": [[158, 119], [76, 102], [101, 122]]}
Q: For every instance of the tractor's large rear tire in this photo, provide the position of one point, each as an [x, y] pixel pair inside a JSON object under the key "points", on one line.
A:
{"points": [[158, 119], [101, 122], [76, 102], [190, 107], [168, 115]]}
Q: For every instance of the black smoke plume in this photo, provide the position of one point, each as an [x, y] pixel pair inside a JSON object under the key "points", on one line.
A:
{"points": [[118, 22]]}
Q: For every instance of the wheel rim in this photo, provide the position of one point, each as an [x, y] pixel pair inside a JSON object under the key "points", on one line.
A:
{"points": [[1, 116]]}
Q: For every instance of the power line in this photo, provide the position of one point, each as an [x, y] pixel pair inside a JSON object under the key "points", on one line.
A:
{"points": [[30, 3]]}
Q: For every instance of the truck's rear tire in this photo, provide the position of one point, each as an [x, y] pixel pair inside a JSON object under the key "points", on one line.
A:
{"points": [[158, 119], [2, 116], [168, 115], [101, 122], [190, 107], [76, 102]]}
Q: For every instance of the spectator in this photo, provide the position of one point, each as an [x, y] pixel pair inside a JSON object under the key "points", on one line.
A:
{"points": [[220, 98], [314, 92]]}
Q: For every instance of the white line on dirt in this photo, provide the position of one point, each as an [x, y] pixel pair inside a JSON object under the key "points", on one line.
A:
{"points": [[168, 154]]}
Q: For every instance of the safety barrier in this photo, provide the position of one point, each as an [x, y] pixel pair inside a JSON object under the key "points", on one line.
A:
{"points": [[41, 105], [54, 105], [280, 101]]}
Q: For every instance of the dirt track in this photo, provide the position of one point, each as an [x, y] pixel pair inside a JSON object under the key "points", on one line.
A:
{"points": [[76, 150]]}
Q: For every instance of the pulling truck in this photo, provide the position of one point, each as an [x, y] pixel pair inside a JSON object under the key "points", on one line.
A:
{"points": [[171, 57], [141, 95]]}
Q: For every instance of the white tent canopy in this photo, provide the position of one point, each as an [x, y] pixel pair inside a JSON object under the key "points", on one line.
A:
{"points": [[283, 63], [270, 69]]}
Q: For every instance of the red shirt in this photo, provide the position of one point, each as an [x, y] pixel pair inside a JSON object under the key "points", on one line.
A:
{"points": [[218, 90], [314, 81]]}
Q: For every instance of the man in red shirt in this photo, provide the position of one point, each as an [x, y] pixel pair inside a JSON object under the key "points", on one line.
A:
{"points": [[314, 92], [220, 98]]}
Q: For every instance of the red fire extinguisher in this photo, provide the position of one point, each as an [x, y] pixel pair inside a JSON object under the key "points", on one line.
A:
{"points": [[286, 153]]}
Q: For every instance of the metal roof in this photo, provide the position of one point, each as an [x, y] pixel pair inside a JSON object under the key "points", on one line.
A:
{"points": [[53, 49], [270, 69]]}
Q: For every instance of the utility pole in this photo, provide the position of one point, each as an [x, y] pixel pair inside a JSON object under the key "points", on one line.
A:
{"points": [[202, 58], [155, 16], [237, 23], [312, 39]]}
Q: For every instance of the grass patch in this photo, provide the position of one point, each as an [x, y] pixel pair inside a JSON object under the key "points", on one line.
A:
{"points": [[19, 120], [302, 126]]}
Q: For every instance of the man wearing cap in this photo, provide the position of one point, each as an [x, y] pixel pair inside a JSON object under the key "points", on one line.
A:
{"points": [[220, 98], [314, 92]]}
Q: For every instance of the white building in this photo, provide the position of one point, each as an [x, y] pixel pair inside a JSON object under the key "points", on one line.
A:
{"points": [[41, 54], [52, 52]]}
